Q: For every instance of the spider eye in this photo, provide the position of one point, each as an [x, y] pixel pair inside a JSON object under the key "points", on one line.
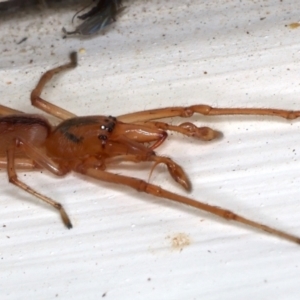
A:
{"points": [[102, 137], [108, 127]]}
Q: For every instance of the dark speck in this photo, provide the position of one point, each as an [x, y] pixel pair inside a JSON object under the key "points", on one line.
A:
{"points": [[102, 137]]}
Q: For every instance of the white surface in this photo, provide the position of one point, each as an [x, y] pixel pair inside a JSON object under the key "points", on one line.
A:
{"points": [[121, 243]]}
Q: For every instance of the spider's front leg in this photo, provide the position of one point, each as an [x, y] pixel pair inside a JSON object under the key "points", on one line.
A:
{"points": [[205, 110], [189, 129], [142, 186]]}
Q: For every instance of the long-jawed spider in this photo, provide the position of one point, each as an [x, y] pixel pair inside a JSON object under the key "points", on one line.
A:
{"points": [[89, 144]]}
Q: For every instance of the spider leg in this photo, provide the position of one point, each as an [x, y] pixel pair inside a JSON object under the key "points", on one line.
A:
{"points": [[206, 110], [142, 186], [20, 164], [4, 111], [42, 160], [189, 129], [44, 105], [174, 169]]}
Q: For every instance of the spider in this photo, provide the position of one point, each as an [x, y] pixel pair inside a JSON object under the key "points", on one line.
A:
{"points": [[89, 144]]}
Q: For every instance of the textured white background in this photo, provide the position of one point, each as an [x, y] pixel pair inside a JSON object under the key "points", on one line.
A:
{"points": [[121, 246]]}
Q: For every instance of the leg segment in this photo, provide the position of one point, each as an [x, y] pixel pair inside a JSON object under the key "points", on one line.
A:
{"points": [[142, 186], [188, 129], [5, 111], [20, 163], [39, 158], [44, 105], [13, 178], [174, 169], [206, 110]]}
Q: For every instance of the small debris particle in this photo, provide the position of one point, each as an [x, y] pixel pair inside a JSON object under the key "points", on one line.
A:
{"points": [[22, 40], [294, 25], [180, 241]]}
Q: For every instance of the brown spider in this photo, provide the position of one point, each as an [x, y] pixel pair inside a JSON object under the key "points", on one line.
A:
{"points": [[89, 144]]}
